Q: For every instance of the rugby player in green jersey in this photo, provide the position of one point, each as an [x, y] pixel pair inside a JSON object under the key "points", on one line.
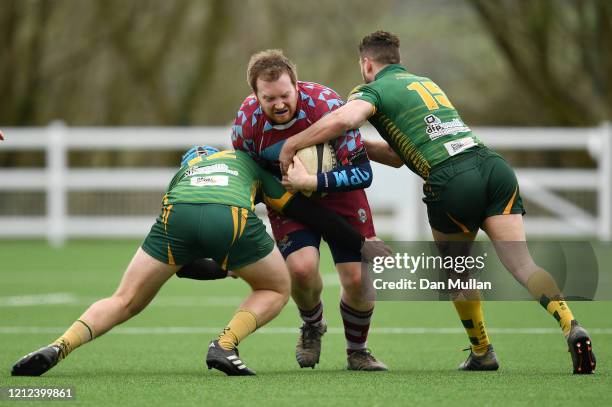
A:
{"points": [[207, 213], [467, 186]]}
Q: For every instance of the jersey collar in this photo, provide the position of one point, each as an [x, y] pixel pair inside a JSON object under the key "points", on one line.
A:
{"points": [[388, 69]]}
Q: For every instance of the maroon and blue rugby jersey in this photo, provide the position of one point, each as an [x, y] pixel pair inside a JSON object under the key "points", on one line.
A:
{"points": [[254, 133]]}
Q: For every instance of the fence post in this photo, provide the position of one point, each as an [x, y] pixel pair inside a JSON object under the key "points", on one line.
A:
{"points": [[605, 179], [56, 183]]}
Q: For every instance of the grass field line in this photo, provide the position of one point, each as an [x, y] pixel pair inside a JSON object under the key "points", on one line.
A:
{"points": [[38, 299], [62, 298], [7, 330]]}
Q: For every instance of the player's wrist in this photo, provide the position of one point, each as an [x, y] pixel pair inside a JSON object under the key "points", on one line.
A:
{"points": [[310, 183], [291, 145]]}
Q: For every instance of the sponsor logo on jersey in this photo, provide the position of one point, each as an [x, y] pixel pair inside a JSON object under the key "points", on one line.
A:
{"points": [[459, 145], [210, 181], [436, 128], [210, 169], [363, 216]]}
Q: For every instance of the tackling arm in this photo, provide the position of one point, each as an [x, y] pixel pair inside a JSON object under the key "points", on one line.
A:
{"points": [[350, 116], [333, 227], [357, 175], [381, 152]]}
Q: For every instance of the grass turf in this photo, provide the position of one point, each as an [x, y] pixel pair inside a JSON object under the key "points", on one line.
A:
{"points": [[130, 368]]}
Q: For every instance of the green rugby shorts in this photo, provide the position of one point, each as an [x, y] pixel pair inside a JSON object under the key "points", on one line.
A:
{"points": [[461, 192], [234, 237]]}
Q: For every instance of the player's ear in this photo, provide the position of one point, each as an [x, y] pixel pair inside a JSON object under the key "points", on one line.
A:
{"points": [[367, 65]]}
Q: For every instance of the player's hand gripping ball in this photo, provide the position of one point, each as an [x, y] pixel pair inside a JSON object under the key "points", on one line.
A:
{"points": [[312, 160]]}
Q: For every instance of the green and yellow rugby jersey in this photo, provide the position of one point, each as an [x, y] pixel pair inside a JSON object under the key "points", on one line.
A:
{"points": [[229, 178], [416, 118]]}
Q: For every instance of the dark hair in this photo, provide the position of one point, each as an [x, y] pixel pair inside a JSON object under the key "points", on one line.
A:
{"points": [[268, 66], [381, 46]]}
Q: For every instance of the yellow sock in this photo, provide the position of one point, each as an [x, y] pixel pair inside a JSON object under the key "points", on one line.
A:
{"points": [[78, 334], [242, 325], [544, 289], [472, 319]]}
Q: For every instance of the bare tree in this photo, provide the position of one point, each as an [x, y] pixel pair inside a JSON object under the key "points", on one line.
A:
{"points": [[559, 51], [155, 62]]}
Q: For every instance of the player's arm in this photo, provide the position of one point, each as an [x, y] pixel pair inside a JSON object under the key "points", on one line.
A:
{"points": [[333, 227], [357, 175], [350, 116], [381, 152]]}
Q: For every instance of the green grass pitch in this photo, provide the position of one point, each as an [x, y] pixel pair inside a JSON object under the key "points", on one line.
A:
{"points": [[146, 363]]}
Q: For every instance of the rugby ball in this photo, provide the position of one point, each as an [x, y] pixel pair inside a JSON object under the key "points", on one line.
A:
{"points": [[317, 158]]}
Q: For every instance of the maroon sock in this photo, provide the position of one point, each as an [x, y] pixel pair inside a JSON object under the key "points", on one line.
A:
{"points": [[313, 316], [356, 327]]}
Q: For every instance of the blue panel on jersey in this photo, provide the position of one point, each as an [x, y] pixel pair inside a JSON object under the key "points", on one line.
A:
{"points": [[236, 131], [334, 102], [272, 152], [305, 96], [242, 116], [267, 126]]}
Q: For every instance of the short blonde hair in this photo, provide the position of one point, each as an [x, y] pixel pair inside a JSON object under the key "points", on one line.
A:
{"points": [[268, 66]]}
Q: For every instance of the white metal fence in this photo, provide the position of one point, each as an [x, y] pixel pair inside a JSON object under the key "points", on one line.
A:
{"points": [[394, 195]]}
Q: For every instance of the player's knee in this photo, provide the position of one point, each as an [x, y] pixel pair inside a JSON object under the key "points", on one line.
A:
{"points": [[283, 288], [284, 296], [276, 280], [304, 271]]}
